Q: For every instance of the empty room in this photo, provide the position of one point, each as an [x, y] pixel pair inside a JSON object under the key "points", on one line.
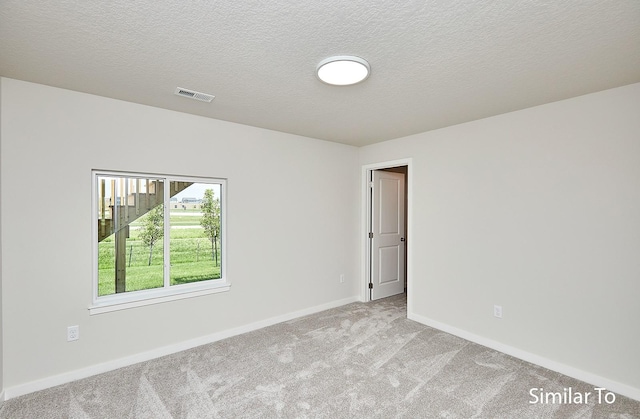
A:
{"points": [[319, 209]]}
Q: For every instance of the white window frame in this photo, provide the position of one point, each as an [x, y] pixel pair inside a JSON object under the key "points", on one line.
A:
{"points": [[126, 300]]}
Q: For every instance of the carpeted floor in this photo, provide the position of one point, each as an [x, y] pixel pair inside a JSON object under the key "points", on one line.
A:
{"points": [[356, 361]]}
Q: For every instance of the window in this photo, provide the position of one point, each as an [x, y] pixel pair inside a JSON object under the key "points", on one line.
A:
{"points": [[156, 238]]}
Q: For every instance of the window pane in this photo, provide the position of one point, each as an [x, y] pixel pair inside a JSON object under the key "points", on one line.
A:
{"points": [[130, 234], [195, 250]]}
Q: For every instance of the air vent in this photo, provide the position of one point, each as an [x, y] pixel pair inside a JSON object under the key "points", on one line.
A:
{"points": [[203, 97]]}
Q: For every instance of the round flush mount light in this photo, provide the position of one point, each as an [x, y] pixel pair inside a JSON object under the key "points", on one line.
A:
{"points": [[343, 70]]}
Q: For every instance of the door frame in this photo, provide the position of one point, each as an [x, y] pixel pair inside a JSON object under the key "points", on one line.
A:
{"points": [[366, 222]]}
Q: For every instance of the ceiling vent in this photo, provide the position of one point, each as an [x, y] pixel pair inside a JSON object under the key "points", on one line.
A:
{"points": [[203, 97]]}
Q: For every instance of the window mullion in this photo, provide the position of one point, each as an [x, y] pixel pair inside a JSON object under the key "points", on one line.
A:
{"points": [[167, 232]]}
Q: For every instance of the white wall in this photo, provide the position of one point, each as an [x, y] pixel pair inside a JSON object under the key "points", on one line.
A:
{"points": [[537, 211], [293, 224]]}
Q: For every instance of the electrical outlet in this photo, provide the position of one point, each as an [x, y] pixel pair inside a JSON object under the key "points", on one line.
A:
{"points": [[341, 278], [497, 311], [73, 333]]}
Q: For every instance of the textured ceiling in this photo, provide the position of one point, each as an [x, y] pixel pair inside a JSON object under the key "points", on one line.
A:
{"points": [[434, 63]]}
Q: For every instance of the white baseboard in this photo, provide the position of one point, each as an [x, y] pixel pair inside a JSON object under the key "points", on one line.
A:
{"points": [[2, 399], [67, 377], [598, 381]]}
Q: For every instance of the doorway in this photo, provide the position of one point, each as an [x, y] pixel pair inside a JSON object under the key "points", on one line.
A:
{"points": [[387, 216]]}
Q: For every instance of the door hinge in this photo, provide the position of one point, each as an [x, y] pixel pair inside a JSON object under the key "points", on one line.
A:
{"points": [[371, 185], [370, 235], [370, 285]]}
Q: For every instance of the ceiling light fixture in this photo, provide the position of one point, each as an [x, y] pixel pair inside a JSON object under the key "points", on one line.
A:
{"points": [[343, 70]]}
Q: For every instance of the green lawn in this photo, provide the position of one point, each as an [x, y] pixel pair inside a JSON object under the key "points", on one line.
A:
{"points": [[191, 258]]}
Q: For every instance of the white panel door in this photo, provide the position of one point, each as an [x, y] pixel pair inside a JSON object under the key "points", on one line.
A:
{"points": [[387, 240]]}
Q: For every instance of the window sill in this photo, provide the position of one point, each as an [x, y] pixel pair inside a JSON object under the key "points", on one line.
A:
{"points": [[108, 307]]}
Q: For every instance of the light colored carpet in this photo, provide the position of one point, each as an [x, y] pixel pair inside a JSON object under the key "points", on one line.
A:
{"points": [[356, 361]]}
